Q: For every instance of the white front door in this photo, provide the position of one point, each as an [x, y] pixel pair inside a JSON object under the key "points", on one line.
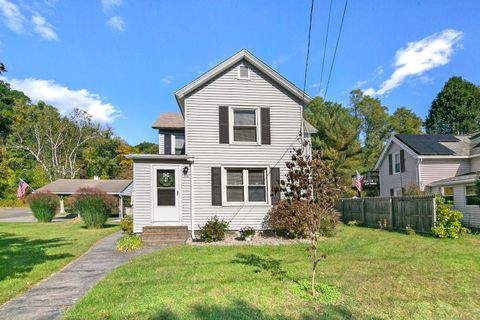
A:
{"points": [[166, 191]]}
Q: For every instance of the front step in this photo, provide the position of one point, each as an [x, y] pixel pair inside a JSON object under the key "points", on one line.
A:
{"points": [[164, 235]]}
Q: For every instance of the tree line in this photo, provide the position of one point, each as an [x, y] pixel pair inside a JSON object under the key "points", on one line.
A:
{"points": [[40, 145], [352, 137]]}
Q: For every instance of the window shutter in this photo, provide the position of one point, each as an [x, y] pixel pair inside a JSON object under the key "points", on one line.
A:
{"points": [[223, 124], [275, 182], [265, 120], [216, 186], [391, 192], [403, 191], [390, 164], [167, 143], [402, 160]]}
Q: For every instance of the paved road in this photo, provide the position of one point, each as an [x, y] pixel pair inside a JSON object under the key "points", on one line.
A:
{"points": [[16, 215], [51, 297]]}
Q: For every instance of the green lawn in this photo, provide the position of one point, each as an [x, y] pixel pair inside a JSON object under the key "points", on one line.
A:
{"points": [[378, 273], [30, 252]]}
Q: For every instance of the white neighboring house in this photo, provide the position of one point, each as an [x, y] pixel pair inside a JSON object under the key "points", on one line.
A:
{"points": [[225, 150], [441, 163]]}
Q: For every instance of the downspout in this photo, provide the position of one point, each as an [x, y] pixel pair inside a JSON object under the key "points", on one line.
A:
{"points": [[419, 173], [192, 219]]}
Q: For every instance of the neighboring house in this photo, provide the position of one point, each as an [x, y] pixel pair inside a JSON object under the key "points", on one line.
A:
{"points": [[441, 163], [221, 155]]}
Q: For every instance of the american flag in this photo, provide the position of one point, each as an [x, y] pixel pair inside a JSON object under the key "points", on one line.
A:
{"points": [[22, 186], [358, 182]]}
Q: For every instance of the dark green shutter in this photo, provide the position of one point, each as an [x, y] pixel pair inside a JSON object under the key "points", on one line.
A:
{"points": [[223, 124], [167, 143], [390, 164], [275, 182], [402, 160], [265, 121], [216, 186]]}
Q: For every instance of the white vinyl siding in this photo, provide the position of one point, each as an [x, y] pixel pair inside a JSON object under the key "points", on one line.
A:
{"points": [[202, 129], [438, 169], [405, 179]]}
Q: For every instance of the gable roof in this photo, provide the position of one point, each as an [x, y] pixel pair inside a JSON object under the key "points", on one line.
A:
{"points": [[70, 186], [169, 120], [239, 56], [428, 144]]}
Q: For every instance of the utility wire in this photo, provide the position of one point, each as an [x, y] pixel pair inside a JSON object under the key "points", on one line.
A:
{"points": [[308, 47], [326, 41], [336, 47]]}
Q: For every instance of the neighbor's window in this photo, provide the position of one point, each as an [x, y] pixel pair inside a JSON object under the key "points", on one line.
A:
{"points": [[471, 195], [180, 143], [235, 188], [447, 194], [255, 187], [396, 163], [245, 125], [243, 72]]}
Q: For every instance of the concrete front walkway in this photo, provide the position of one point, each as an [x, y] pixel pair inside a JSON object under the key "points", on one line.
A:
{"points": [[50, 298]]}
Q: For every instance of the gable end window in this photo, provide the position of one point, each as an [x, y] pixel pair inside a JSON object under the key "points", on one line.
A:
{"points": [[243, 72], [245, 124], [246, 185], [397, 166], [471, 195]]}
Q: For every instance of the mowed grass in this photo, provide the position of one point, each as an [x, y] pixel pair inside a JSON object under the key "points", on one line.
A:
{"points": [[30, 252], [380, 275]]}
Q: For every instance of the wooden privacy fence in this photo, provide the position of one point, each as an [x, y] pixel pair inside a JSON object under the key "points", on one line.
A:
{"points": [[418, 212]]}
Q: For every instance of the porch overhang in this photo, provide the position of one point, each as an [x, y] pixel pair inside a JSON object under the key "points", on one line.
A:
{"points": [[161, 158]]}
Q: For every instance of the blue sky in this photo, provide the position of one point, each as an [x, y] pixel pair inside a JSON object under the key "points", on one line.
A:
{"points": [[122, 60]]}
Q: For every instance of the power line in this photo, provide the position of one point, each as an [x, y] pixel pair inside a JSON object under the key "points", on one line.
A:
{"points": [[326, 41], [308, 49], [336, 47]]}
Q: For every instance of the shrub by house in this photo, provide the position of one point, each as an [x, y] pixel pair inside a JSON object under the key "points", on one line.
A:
{"points": [[93, 206], [43, 205]]}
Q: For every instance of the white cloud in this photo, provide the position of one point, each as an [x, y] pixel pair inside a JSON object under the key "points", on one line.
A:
{"points": [[13, 18], [419, 57], [167, 80], [116, 23], [65, 99], [108, 4], [43, 28], [279, 61]]}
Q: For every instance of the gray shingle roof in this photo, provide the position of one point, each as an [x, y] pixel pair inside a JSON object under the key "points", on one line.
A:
{"points": [[465, 178], [439, 144], [308, 127], [169, 120], [70, 186]]}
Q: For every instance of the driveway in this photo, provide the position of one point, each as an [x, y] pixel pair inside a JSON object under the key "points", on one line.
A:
{"points": [[24, 215], [16, 215]]}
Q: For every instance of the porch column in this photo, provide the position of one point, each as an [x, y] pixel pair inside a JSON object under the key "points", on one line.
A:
{"points": [[120, 206], [62, 205]]}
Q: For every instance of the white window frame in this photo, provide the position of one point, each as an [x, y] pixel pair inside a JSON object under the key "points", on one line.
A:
{"points": [[238, 72], [394, 163], [231, 124], [466, 195], [245, 186], [442, 191]]}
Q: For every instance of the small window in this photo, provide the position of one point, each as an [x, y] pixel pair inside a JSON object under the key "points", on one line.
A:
{"points": [[245, 125], [235, 186], [396, 163], [397, 192], [471, 195], [447, 194], [180, 143], [243, 72]]}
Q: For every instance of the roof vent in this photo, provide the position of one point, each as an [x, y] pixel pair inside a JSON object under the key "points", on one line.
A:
{"points": [[243, 72]]}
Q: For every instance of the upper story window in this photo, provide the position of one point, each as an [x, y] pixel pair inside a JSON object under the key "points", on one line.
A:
{"points": [[397, 166], [245, 124], [471, 195], [180, 143], [243, 72], [447, 194]]}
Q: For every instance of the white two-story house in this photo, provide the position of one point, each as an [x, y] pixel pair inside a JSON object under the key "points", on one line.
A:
{"points": [[224, 151], [440, 163]]}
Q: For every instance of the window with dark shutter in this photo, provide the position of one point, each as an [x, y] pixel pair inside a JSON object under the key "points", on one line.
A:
{"points": [[216, 186], [402, 160], [167, 144], [275, 182], [265, 120], [223, 124], [245, 125], [390, 164]]}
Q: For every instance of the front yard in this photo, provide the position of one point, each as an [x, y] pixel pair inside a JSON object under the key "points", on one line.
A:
{"points": [[30, 252], [379, 275]]}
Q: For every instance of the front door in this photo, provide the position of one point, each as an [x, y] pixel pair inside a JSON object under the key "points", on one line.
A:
{"points": [[166, 194]]}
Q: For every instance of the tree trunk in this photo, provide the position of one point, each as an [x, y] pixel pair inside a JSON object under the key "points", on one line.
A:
{"points": [[315, 260]]}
